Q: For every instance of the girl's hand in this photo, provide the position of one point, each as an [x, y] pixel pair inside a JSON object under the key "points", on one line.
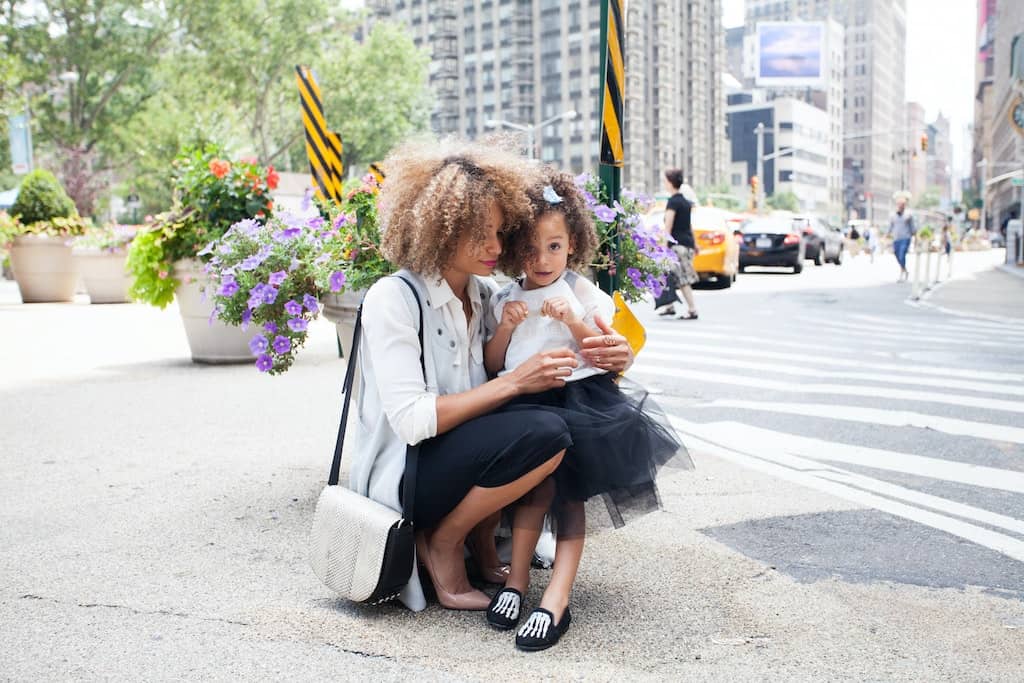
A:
{"points": [[543, 371], [513, 313], [609, 351], [560, 309]]}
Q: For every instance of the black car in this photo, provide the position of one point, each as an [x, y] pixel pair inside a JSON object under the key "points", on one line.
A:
{"points": [[824, 242], [771, 242]]}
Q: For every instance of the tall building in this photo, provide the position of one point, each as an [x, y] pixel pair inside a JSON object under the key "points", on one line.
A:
{"points": [[789, 124], [916, 160], [940, 160], [875, 93], [527, 61], [984, 78], [1007, 152]]}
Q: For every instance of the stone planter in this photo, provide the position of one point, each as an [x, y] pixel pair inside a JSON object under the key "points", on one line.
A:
{"points": [[44, 268], [104, 275], [341, 310], [210, 340]]}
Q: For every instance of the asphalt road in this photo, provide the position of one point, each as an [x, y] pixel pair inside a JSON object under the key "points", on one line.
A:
{"points": [[856, 511]]}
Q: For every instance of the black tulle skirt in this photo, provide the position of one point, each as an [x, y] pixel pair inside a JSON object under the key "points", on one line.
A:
{"points": [[620, 441]]}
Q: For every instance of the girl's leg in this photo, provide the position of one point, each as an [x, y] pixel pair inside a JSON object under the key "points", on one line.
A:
{"points": [[572, 523], [526, 528], [444, 545]]}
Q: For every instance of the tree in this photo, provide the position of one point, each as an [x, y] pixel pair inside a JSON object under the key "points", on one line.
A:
{"points": [[783, 201], [929, 199], [375, 93], [90, 62], [720, 195]]}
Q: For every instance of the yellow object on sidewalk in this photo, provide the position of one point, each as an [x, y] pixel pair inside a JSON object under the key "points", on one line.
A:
{"points": [[626, 324]]}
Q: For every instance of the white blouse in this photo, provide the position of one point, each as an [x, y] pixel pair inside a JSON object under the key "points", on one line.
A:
{"points": [[397, 405], [539, 332]]}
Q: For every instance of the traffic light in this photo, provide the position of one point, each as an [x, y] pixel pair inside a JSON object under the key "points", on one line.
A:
{"points": [[754, 183], [924, 142]]}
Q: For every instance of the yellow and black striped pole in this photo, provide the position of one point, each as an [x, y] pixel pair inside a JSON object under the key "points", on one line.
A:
{"points": [[613, 90], [323, 147], [377, 171]]}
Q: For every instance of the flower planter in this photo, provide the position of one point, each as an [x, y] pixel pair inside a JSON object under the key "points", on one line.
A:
{"points": [[341, 310], [104, 276], [210, 342], [44, 268]]}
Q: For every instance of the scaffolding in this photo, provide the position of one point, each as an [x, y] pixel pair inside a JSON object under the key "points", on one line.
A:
{"points": [[445, 77]]}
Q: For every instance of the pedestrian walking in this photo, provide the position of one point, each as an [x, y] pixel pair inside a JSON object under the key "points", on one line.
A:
{"points": [[871, 242], [678, 227], [902, 229], [549, 306], [444, 210]]}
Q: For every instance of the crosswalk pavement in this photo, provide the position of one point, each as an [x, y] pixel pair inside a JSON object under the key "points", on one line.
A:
{"points": [[917, 414]]}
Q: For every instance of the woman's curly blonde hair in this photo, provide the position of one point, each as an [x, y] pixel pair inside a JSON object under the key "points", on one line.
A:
{"points": [[518, 247], [437, 193]]}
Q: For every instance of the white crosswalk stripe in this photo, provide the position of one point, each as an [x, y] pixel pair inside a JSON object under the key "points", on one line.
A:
{"points": [[743, 394]]}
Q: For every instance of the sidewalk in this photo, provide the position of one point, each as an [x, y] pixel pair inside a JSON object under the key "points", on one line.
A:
{"points": [[991, 293]]}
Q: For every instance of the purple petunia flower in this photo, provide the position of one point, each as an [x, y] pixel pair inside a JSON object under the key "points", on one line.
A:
{"points": [[293, 307], [264, 363], [321, 259], [339, 221], [270, 327], [655, 285], [337, 281], [605, 214], [258, 344], [307, 200], [287, 234], [636, 277], [246, 319], [247, 226], [224, 249], [269, 294], [282, 344], [618, 207], [589, 198], [297, 325], [311, 304], [228, 289], [250, 263], [213, 314], [208, 249], [276, 278], [295, 265], [315, 223]]}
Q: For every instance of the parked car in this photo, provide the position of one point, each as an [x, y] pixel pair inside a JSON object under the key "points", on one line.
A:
{"points": [[772, 242], [718, 253], [824, 241]]}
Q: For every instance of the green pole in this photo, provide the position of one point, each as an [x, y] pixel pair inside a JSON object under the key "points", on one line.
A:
{"points": [[610, 176]]}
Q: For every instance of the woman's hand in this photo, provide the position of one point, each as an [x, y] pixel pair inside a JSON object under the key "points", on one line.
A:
{"points": [[543, 371], [609, 351]]}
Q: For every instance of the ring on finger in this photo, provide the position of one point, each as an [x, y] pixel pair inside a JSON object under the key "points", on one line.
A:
{"points": [[608, 341]]}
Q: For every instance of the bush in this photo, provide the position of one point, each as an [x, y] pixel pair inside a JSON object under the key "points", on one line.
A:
{"points": [[41, 199]]}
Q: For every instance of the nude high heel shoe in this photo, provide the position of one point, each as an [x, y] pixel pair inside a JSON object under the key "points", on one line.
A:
{"points": [[473, 600]]}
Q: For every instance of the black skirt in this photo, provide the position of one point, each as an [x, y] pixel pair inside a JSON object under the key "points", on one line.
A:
{"points": [[488, 451], [620, 440]]}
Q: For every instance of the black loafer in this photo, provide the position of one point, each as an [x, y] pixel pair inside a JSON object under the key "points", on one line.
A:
{"points": [[540, 630], [505, 609]]}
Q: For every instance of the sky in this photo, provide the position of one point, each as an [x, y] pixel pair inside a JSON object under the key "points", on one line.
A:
{"points": [[940, 63]]}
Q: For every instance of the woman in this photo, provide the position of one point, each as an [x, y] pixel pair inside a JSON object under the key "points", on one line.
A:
{"points": [[443, 208]]}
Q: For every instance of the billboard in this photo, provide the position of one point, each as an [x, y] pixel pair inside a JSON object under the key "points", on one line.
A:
{"points": [[791, 54]]}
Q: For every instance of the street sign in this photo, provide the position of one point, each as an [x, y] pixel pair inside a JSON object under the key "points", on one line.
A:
{"points": [[1017, 182]]}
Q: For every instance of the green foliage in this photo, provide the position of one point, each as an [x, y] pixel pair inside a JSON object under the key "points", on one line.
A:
{"points": [[364, 264], [928, 200], [783, 201], [42, 199], [113, 239], [719, 195], [376, 92], [148, 263]]}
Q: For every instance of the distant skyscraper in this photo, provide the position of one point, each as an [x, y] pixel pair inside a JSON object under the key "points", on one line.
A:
{"points": [[525, 61], [875, 93]]}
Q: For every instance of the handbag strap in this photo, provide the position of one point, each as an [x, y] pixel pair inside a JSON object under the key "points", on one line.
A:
{"points": [[411, 452]]}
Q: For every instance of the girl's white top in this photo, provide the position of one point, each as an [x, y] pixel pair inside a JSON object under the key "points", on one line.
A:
{"points": [[539, 332]]}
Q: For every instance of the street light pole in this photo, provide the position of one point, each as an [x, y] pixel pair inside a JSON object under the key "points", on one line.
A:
{"points": [[759, 131], [530, 129]]}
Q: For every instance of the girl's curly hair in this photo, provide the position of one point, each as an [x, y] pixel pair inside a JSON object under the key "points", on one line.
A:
{"points": [[518, 250], [437, 193]]}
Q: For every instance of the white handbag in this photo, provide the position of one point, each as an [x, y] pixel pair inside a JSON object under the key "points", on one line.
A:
{"points": [[362, 550]]}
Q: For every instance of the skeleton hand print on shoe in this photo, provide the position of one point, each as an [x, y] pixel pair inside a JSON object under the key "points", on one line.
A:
{"points": [[536, 626], [508, 605]]}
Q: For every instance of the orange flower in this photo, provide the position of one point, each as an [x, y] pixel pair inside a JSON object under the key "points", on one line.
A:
{"points": [[270, 206], [220, 167], [272, 178]]}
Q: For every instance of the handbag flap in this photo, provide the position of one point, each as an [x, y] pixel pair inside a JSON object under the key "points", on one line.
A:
{"points": [[348, 540]]}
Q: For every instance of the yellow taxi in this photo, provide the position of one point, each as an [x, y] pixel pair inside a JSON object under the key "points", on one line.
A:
{"points": [[718, 252]]}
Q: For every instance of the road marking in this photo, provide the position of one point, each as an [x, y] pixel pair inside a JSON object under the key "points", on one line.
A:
{"points": [[952, 326], [684, 354], [805, 371], [1007, 545], [873, 416], [875, 458], [791, 386], [658, 331], [879, 336]]}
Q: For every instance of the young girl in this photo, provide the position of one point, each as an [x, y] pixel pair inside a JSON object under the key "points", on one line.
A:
{"points": [[619, 441]]}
